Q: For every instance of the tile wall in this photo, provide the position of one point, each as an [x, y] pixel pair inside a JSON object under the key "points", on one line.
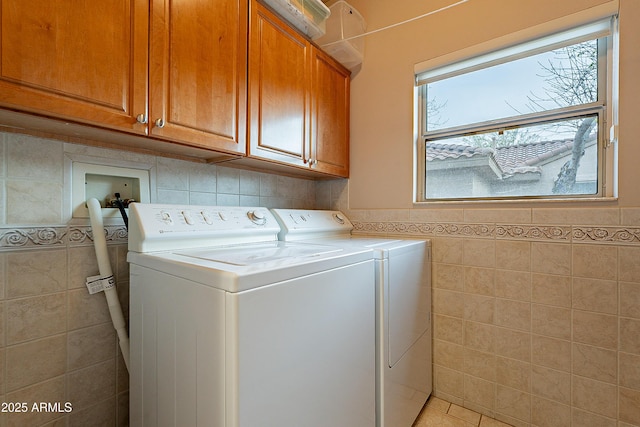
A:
{"points": [[536, 311], [536, 315], [57, 344]]}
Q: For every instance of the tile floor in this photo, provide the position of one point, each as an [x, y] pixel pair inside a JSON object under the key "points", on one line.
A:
{"points": [[440, 413]]}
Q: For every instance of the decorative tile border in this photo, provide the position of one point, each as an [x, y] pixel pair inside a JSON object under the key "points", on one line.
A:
{"points": [[548, 233], [53, 237], [614, 235], [534, 232]]}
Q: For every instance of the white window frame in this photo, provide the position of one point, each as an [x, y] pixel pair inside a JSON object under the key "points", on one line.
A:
{"points": [[593, 23]]}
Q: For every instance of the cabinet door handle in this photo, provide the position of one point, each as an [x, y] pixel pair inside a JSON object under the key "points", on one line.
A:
{"points": [[141, 118], [159, 123]]}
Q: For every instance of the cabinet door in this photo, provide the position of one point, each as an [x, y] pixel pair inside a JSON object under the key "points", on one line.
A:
{"points": [[278, 90], [78, 60], [198, 77], [330, 112]]}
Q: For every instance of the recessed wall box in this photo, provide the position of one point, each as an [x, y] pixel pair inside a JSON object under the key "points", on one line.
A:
{"points": [[102, 182]]}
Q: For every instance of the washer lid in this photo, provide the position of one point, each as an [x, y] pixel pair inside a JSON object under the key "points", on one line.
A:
{"points": [[260, 254], [242, 267]]}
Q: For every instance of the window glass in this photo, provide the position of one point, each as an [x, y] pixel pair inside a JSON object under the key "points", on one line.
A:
{"points": [[522, 161], [546, 81]]}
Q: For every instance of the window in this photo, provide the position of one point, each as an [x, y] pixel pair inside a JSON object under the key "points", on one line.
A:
{"points": [[528, 121]]}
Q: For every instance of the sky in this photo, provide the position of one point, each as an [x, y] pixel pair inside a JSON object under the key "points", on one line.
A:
{"points": [[493, 93]]}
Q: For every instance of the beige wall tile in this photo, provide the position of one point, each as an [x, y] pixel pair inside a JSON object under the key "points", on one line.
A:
{"points": [[3, 258], [630, 335], [447, 250], [25, 199], [36, 317], [513, 403], [47, 391], [479, 308], [508, 216], [479, 336], [2, 324], [448, 276], [448, 381], [36, 273], [90, 345], [86, 310], [630, 216], [100, 414], [389, 215], [576, 216], [34, 158], [551, 258], [551, 290], [630, 370], [82, 264], [551, 384], [514, 285], [594, 396], [449, 303], [595, 295], [549, 413], [480, 392], [513, 344], [595, 261], [479, 252], [480, 364], [589, 419], [448, 328], [478, 280], [551, 352], [448, 355], [513, 373], [437, 215], [595, 329], [630, 299], [630, 263], [513, 314], [595, 363], [629, 401], [92, 384], [35, 361], [513, 255], [551, 321]]}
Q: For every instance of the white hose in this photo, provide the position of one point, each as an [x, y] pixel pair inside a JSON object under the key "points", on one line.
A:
{"points": [[100, 243]]}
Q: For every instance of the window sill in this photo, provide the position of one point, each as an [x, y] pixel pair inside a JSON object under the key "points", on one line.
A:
{"points": [[514, 202]]}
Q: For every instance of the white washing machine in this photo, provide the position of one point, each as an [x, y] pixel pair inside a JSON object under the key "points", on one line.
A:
{"points": [[230, 327], [403, 307]]}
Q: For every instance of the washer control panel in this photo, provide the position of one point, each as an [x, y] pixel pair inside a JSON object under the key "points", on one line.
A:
{"points": [[297, 224], [155, 227]]}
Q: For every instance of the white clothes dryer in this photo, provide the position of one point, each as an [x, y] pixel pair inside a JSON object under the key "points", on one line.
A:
{"points": [[403, 308], [231, 328]]}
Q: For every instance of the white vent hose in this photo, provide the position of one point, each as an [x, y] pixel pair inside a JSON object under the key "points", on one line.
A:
{"points": [[100, 243]]}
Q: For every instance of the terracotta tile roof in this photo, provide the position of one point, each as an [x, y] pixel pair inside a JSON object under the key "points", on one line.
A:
{"points": [[437, 151], [521, 158]]}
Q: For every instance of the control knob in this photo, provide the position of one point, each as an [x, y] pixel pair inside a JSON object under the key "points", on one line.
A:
{"points": [[257, 217]]}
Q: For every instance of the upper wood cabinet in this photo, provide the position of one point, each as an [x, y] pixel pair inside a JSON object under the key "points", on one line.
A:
{"points": [[92, 62], [198, 72], [77, 60], [279, 90], [298, 99], [330, 115]]}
